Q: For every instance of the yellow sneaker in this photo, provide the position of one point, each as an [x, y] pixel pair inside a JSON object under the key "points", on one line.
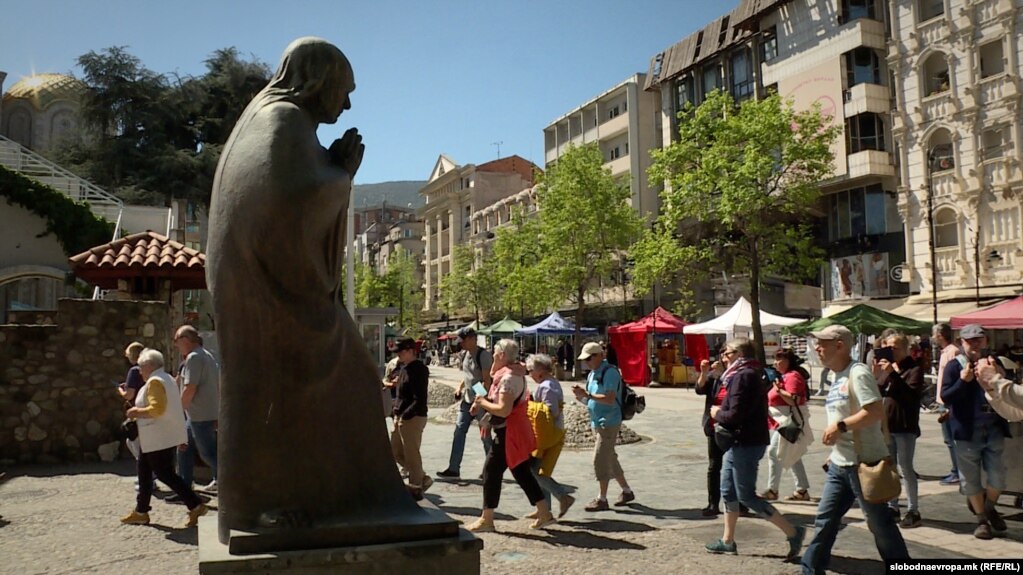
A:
{"points": [[195, 513], [135, 518]]}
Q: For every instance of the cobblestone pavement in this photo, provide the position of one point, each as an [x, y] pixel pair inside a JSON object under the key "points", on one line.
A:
{"points": [[64, 519]]}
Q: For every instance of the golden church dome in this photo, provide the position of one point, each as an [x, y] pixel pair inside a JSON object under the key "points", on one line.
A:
{"points": [[45, 89]]}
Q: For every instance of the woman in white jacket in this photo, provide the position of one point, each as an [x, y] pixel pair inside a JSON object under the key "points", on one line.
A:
{"points": [[161, 423]]}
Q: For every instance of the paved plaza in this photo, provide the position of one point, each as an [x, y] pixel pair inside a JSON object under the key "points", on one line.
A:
{"points": [[64, 519]]}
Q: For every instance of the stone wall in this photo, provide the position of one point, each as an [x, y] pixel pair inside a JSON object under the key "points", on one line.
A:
{"points": [[58, 400]]}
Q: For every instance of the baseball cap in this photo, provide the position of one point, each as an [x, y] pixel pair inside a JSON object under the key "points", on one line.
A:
{"points": [[833, 332], [405, 343], [589, 349], [971, 331], [464, 333]]}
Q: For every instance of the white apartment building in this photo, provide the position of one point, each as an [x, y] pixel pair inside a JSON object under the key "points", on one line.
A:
{"points": [[624, 121], [957, 122], [453, 194]]}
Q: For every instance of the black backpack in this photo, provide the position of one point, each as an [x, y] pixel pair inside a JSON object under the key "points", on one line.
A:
{"points": [[628, 400]]}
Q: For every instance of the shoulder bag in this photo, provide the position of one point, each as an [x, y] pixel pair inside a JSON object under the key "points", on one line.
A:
{"points": [[879, 481]]}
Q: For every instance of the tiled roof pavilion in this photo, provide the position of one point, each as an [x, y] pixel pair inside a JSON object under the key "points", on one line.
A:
{"points": [[146, 254]]}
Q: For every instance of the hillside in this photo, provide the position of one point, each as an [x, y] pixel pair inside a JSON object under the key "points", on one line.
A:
{"points": [[395, 193]]}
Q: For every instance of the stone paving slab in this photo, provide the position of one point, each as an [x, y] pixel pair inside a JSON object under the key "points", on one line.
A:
{"points": [[64, 519]]}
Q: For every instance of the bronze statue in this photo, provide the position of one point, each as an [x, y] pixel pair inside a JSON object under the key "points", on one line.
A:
{"points": [[304, 459]]}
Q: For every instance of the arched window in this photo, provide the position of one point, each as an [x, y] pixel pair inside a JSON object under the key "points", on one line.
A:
{"points": [[935, 71], [946, 228], [940, 154]]}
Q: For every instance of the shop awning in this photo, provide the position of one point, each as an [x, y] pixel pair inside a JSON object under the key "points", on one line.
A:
{"points": [[1005, 315]]}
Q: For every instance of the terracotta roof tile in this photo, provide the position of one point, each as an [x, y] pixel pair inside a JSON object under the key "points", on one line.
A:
{"points": [[143, 251]]}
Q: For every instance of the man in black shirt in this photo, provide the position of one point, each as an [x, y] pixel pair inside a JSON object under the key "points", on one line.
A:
{"points": [[410, 409]]}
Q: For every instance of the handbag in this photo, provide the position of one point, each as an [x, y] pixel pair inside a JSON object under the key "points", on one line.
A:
{"points": [[725, 438], [879, 481], [130, 429], [792, 432]]}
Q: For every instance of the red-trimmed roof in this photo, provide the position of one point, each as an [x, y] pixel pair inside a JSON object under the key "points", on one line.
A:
{"points": [[146, 254]]}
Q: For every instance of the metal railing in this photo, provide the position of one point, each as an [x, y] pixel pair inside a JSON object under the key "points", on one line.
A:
{"points": [[19, 158]]}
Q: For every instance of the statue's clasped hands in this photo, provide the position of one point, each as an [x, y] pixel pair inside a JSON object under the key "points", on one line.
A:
{"points": [[347, 151]]}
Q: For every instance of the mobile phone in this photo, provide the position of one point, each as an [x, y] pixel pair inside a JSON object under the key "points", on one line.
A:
{"points": [[884, 353]]}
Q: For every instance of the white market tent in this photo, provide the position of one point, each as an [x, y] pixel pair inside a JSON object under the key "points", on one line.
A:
{"points": [[739, 319]]}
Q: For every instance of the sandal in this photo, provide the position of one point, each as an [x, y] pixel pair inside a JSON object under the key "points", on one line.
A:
{"points": [[769, 495], [481, 526], [543, 521], [801, 495]]}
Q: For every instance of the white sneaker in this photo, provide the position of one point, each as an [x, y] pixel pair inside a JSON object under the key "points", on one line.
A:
{"points": [[211, 487]]}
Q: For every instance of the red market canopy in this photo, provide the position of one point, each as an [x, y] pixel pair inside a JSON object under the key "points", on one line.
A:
{"points": [[630, 343], [1005, 315]]}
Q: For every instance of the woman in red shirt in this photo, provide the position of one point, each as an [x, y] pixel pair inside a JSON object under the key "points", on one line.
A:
{"points": [[786, 399]]}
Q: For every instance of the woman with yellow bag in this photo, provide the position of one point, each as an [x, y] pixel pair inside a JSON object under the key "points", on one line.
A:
{"points": [[545, 413]]}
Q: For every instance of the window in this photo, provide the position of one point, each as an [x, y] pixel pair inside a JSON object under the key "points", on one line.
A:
{"points": [[930, 9], [995, 141], [991, 61], [657, 64], [699, 42], [769, 44], [946, 232], [613, 113], [742, 76], [614, 153], [723, 34], [865, 132], [862, 66], [941, 158], [684, 92], [711, 78], [856, 9], [861, 212]]}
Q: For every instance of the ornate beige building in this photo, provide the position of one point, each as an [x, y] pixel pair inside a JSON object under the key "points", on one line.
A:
{"points": [[453, 194], [40, 110], [957, 122]]}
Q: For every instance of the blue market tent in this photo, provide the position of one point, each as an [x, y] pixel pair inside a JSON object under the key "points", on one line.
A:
{"points": [[553, 324]]}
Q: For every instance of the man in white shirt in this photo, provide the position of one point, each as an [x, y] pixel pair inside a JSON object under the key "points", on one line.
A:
{"points": [[855, 411]]}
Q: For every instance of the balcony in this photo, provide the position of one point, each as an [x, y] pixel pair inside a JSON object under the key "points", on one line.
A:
{"points": [[863, 98], [946, 259], [614, 126], [996, 88], [988, 10], [870, 163], [932, 32], [996, 172], [937, 107], [944, 184], [1007, 255], [619, 166]]}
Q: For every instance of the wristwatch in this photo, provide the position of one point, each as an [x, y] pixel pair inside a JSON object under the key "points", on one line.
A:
{"points": [[842, 426]]}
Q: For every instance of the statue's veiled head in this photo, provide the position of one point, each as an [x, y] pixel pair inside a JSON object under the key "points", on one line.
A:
{"points": [[315, 75]]}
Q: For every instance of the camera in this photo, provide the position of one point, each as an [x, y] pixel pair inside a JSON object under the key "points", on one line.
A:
{"points": [[884, 353]]}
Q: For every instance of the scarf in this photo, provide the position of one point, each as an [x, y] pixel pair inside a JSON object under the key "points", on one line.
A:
{"points": [[734, 367]]}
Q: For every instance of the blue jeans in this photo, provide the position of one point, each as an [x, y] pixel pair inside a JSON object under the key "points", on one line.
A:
{"points": [[462, 425], [946, 435], [202, 441], [903, 448], [983, 451], [739, 479], [547, 483], [841, 487]]}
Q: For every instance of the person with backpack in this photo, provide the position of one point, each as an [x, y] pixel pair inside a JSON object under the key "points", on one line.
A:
{"points": [[476, 363], [601, 396]]}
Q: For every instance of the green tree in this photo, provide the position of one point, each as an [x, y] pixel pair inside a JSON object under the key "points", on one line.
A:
{"points": [[471, 285], [583, 227], [525, 292], [741, 184], [371, 289], [150, 137], [404, 291]]}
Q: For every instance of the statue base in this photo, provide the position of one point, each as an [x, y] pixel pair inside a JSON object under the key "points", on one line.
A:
{"points": [[456, 555]]}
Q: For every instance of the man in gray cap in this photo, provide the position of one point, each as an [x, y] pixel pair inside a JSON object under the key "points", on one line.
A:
{"points": [[475, 363], [855, 410], [978, 431]]}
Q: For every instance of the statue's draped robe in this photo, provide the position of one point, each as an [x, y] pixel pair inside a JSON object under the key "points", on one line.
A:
{"points": [[301, 427]]}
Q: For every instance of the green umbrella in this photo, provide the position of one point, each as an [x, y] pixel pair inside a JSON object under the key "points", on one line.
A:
{"points": [[863, 319], [505, 326]]}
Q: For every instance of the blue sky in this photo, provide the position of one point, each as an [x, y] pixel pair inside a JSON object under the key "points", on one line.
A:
{"points": [[432, 77]]}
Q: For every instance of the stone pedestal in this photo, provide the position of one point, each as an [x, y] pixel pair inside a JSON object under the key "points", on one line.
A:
{"points": [[458, 555]]}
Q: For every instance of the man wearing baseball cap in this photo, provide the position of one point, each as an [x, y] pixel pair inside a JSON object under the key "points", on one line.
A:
{"points": [[855, 411], [475, 363], [978, 431], [601, 399]]}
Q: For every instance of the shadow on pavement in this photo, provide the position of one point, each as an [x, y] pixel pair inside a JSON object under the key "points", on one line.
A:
{"points": [[182, 535], [638, 509], [122, 467], [581, 540], [609, 526], [852, 566], [959, 527]]}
